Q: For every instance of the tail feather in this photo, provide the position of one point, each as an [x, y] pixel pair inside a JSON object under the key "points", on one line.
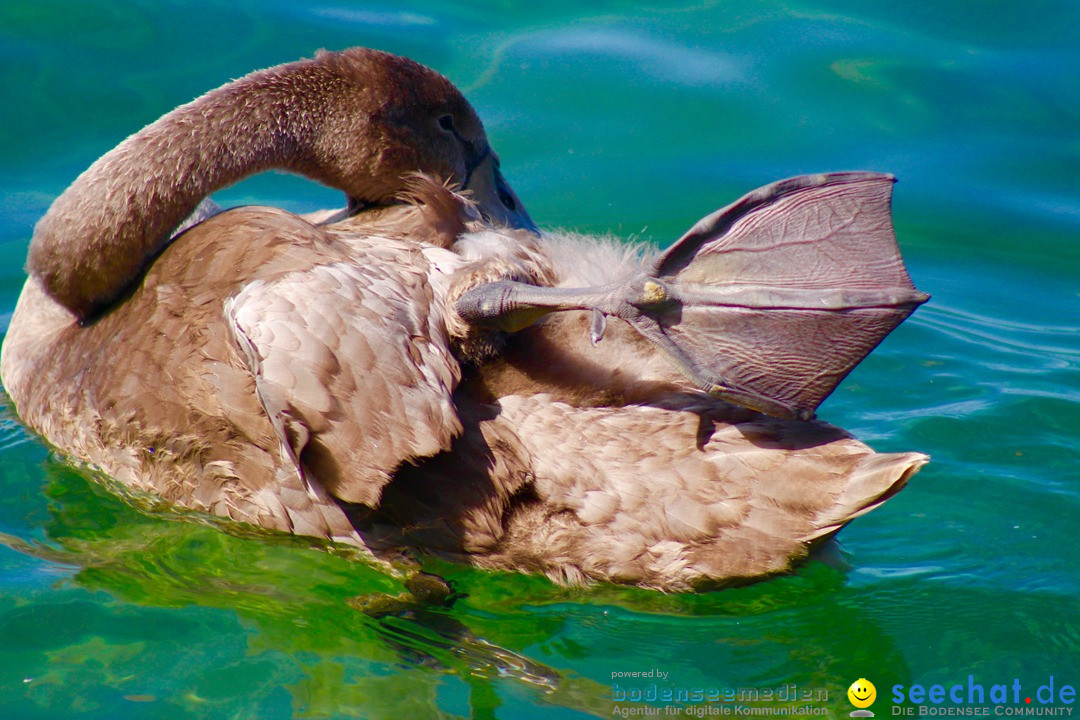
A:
{"points": [[878, 477]]}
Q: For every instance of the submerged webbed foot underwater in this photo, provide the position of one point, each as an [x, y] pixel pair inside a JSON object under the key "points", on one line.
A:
{"points": [[425, 371]]}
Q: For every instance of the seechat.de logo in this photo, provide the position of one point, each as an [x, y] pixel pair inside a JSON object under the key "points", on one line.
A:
{"points": [[862, 695]]}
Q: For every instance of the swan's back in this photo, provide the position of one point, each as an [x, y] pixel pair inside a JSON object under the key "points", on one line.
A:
{"points": [[592, 462], [161, 394]]}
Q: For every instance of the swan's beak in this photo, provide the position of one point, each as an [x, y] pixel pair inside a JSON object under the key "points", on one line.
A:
{"points": [[497, 201]]}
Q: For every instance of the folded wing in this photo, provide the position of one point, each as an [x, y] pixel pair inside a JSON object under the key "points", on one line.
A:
{"points": [[353, 369]]}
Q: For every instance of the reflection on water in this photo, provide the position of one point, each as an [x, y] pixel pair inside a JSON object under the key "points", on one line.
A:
{"points": [[298, 622], [284, 613]]}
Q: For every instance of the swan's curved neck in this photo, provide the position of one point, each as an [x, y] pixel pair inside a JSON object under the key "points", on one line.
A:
{"points": [[99, 234]]}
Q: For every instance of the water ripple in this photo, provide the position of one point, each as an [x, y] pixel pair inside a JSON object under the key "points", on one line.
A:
{"points": [[665, 61], [12, 433], [1008, 336], [385, 18]]}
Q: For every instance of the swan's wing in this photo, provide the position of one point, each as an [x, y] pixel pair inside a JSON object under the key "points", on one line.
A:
{"points": [[353, 368]]}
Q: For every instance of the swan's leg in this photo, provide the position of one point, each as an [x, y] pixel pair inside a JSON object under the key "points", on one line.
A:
{"points": [[645, 303], [767, 303], [780, 351], [511, 306], [423, 590]]}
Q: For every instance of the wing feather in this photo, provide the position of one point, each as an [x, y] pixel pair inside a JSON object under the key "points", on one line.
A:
{"points": [[353, 366]]}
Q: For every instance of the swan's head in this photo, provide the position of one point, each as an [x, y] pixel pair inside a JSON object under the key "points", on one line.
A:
{"points": [[393, 117], [361, 120]]}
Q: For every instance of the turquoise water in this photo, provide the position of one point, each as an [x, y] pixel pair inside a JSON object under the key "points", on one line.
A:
{"points": [[634, 120]]}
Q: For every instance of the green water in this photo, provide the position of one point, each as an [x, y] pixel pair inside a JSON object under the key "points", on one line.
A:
{"points": [[634, 120]]}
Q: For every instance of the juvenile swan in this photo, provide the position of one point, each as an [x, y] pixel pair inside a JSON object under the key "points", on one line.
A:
{"points": [[318, 379]]}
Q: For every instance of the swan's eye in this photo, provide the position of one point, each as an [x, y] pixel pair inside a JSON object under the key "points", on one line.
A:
{"points": [[446, 122], [507, 199]]}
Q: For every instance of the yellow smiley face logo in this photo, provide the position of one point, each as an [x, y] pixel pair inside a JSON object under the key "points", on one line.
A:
{"points": [[862, 693]]}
